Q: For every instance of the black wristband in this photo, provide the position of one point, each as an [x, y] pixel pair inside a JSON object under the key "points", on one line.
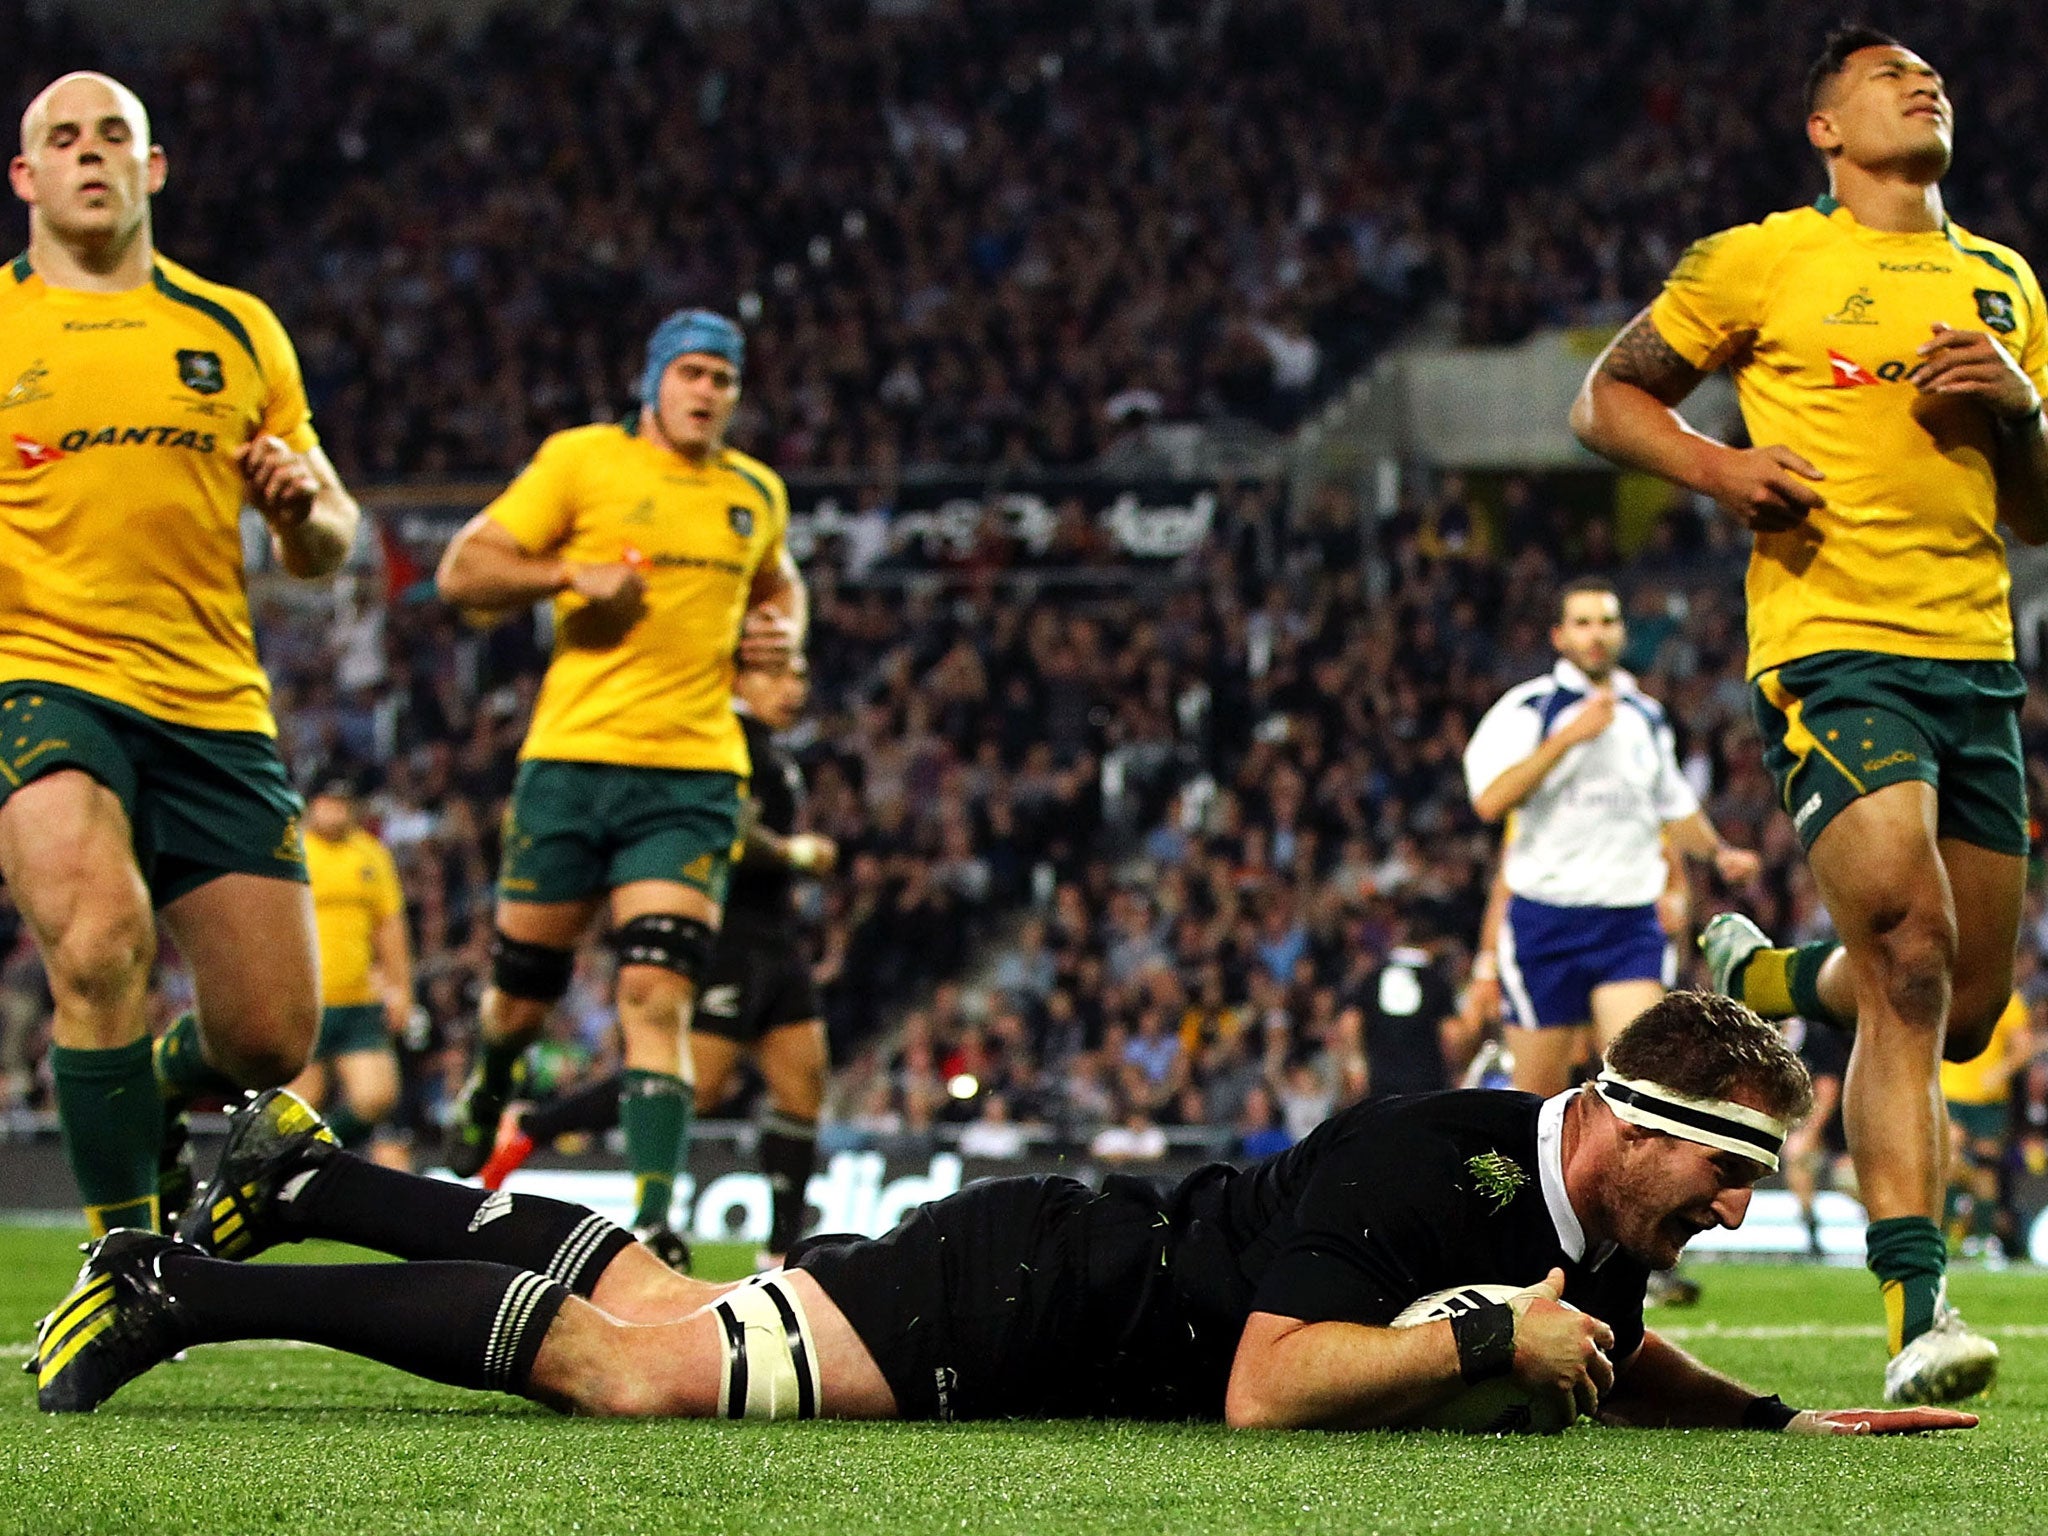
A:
{"points": [[1486, 1341], [1767, 1413]]}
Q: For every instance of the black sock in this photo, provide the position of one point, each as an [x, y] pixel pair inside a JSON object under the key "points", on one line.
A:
{"points": [[789, 1153], [357, 1201], [469, 1325], [497, 1066], [592, 1108]]}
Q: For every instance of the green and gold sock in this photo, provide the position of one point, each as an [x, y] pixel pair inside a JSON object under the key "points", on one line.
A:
{"points": [[182, 1070], [1907, 1255], [1777, 983], [1802, 980], [112, 1120], [1760, 984], [654, 1112], [349, 1128]]}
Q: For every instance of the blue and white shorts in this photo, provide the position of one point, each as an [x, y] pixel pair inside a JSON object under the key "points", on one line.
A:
{"points": [[1551, 958]]}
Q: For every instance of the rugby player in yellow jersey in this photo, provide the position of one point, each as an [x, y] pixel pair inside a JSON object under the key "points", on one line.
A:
{"points": [[1890, 367], [365, 972], [659, 546], [140, 408], [1978, 1093]]}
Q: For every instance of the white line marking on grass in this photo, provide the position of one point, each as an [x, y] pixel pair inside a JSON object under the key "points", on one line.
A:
{"points": [[1820, 1331], [24, 1351]]}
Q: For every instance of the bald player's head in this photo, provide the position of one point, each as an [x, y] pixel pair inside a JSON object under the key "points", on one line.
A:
{"points": [[86, 92], [87, 169]]}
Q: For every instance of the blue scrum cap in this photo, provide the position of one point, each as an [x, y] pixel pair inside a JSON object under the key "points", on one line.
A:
{"points": [[689, 330]]}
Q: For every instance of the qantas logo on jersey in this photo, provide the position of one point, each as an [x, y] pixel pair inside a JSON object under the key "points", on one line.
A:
{"points": [[137, 437], [34, 454], [1850, 374]]}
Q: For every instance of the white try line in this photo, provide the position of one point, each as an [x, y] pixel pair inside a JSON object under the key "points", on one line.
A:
{"points": [[1683, 1331], [24, 1351]]}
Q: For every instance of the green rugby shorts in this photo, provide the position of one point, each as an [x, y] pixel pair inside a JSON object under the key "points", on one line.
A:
{"points": [[200, 803], [1841, 724], [578, 830]]}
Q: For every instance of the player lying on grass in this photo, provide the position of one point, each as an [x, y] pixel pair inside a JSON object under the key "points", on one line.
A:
{"points": [[1258, 1296]]}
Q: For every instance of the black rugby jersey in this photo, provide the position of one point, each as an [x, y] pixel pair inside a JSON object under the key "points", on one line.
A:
{"points": [[760, 888], [1382, 1204]]}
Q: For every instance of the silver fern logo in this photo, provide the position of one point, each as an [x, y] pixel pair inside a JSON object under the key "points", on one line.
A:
{"points": [[1496, 1177]]}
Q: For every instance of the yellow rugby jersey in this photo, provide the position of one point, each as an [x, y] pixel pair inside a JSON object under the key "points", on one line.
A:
{"points": [[120, 502], [355, 888], [1980, 1080], [657, 693], [1820, 319]]}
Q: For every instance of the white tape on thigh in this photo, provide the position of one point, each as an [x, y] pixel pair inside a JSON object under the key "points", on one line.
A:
{"points": [[771, 1366]]}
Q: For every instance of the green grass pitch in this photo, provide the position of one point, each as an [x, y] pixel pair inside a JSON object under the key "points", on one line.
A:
{"points": [[263, 1438]]}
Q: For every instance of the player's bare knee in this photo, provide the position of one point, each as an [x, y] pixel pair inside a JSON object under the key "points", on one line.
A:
{"points": [[266, 1066], [650, 989], [506, 1016], [1972, 1016], [263, 1052], [373, 1105], [1917, 956], [800, 1095], [616, 1393], [631, 1385], [101, 964]]}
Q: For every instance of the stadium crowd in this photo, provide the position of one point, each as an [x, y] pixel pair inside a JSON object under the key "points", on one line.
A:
{"points": [[1195, 817], [988, 235]]}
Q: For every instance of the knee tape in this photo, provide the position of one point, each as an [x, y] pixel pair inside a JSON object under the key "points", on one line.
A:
{"points": [[771, 1365], [532, 971], [675, 943]]}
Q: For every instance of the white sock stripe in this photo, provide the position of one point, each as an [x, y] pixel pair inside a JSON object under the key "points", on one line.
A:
{"points": [[493, 1343], [498, 1353], [515, 1311], [576, 1250], [535, 1296]]}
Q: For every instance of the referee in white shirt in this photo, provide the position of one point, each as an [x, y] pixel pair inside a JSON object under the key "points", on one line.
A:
{"points": [[1581, 761]]}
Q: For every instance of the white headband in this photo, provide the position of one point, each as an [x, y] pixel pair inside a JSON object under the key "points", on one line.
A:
{"points": [[1712, 1123]]}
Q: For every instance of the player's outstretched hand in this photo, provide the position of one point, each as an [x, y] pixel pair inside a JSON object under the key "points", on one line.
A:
{"points": [[281, 483], [812, 852], [1559, 1348], [768, 637], [1878, 1421], [1976, 364], [1767, 488], [1738, 866]]}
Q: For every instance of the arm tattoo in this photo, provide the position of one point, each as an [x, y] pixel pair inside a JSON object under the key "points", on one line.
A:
{"points": [[1641, 357]]}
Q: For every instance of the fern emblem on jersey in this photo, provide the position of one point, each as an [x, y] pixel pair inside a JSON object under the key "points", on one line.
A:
{"points": [[201, 371], [1496, 1177]]}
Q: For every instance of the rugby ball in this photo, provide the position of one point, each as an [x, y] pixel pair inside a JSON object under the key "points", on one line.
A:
{"points": [[1502, 1406]]}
